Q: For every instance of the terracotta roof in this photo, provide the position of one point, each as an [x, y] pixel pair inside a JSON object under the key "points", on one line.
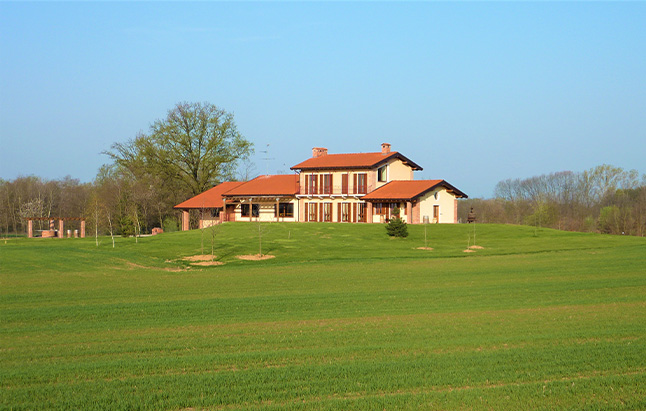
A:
{"points": [[408, 190], [211, 198], [272, 185], [352, 160]]}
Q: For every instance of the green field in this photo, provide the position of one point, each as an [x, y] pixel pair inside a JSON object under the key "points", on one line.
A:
{"points": [[343, 317]]}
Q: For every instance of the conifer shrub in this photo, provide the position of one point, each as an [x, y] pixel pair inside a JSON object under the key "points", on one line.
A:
{"points": [[396, 227]]}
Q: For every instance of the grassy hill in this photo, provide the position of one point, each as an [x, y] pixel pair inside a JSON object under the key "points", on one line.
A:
{"points": [[343, 317]]}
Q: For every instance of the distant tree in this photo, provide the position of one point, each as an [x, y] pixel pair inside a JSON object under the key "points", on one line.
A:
{"points": [[196, 146]]}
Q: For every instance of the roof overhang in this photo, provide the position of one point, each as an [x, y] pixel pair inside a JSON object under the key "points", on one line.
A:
{"points": [[262, 198], [384, 160]]}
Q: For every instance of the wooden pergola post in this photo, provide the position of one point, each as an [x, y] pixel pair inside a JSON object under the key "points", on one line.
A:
{"points": [[82, 228], [185, 220], [223, 214], [30, 228], [61, 233]]}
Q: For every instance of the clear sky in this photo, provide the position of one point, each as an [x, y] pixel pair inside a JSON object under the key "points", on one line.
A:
{"points": [[473, 92]]}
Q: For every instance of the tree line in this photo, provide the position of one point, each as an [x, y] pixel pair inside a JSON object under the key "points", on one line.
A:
{"points": [[604, 199], [195, 147]]}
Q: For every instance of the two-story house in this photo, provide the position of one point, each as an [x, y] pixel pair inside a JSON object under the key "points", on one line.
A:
{"points": [[353, 188]]}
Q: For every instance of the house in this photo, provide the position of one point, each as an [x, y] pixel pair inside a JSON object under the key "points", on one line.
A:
{"points": [[353, 188], [209, 204]]}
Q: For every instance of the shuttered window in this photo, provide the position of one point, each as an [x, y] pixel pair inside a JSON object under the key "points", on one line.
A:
{"points": [[362, 213], [327, 183], [327, 212], [362, 183], [344, 212]]}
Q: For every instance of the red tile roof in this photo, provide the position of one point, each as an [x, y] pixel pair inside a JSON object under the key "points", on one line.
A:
{"points": [[408, 190], [272, 185], [353, 160], [210, 198]]}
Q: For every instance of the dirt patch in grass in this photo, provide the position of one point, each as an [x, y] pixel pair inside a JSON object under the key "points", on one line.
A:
{"points": [[424, 248], [208, 263], [255, 257], [468, 251], [476, 247], [199, 257], [133, 266]]}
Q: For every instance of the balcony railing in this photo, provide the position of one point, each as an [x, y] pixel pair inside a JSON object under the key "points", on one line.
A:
{"points": [[335, 190]]}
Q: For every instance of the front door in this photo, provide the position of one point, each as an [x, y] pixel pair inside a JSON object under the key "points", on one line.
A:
{"points": [[436, 213]]}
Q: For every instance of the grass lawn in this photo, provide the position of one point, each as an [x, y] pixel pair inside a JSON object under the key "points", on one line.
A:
{"points": [[343, 317]]}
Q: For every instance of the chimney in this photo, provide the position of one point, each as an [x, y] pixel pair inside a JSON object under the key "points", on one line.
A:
{"points": [[319, 152], [385, 148]]}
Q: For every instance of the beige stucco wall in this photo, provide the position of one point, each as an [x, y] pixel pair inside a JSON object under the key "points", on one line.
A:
{"points": [[446, 202], [396, 171], [337, 179]]}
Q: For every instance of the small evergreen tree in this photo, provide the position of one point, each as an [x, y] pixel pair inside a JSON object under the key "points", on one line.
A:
{"points": [[397, 228]]}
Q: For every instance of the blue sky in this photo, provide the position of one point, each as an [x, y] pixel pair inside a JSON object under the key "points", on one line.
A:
{"points": [[474, 92]]}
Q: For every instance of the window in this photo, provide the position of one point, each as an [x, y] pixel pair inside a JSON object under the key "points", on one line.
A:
{"points": [[327, 183], [327, 212], [381, 208], [215, 212], [344, 184], [285, 209], [360, 183], [311, 211], [345, 212], [311, 184], [362, 213], [255, 210], [381, 174]]}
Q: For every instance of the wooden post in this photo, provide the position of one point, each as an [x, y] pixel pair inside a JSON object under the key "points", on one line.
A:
{"points": [[30, 229], [82, 228], [277, 210], [409, 212], [185, 220], [61, 234], [223, 213]]}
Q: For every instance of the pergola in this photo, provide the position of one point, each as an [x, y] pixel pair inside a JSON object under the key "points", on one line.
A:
{"points": [[52, 232]]}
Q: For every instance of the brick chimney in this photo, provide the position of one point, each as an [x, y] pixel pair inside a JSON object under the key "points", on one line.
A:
{"points": [[319, 152], [385, 148]]}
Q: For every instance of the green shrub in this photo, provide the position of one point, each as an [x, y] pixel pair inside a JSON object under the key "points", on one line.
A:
{"points": [[170, 225], [126, 226], [397, 228]]}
